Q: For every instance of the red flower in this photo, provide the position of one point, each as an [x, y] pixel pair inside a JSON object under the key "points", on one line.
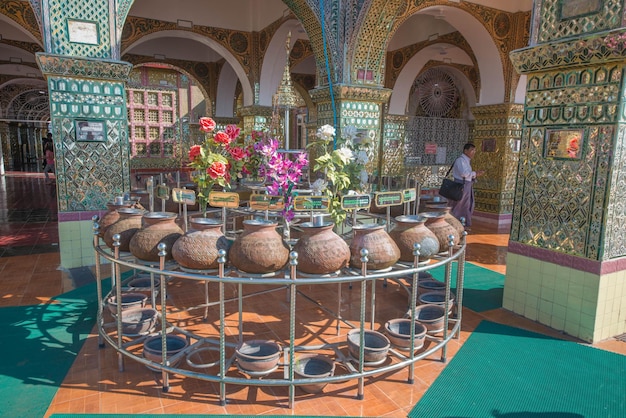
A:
{"points": [[237, 153], [232, 131], [194, 152], [217, 169], [207, 124], [222, 138]]}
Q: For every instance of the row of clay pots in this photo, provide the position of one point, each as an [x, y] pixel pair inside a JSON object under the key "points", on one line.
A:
{"points": [[260, 249]]}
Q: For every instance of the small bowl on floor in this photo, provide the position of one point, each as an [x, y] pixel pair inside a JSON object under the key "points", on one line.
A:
{"points": [[130, 300], [139, 321], [399, 333], [258, 356], [432, 316], [376, 346], [437, 298], [174, 344], [314, 366]]}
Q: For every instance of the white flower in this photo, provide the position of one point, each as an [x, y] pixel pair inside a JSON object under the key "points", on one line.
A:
{"points": [[326, 132], [318, 186], [362, 157], [345, 154]]}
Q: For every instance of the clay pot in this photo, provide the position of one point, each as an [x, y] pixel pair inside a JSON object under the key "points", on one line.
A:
{"points": [[153, 350], [126, 226], [260, 248], [159, 227], [111, 216], [399, 333], [313, 366], [437, 224], [258, 356], [383, 251], [411, 230], [376, 345], [431, 316], [198, 248], [449, 217], [320, 250]]}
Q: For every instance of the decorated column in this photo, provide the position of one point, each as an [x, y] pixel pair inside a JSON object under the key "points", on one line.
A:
{"points": [[566, 266], [86, 84]]}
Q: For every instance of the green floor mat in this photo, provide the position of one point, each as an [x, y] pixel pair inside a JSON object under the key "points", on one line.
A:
{"points": [[483, 288], [39, 344], [508, 372]]}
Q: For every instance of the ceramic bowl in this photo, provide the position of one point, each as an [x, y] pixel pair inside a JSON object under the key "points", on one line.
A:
{"points": [[258, 356], [432, 316], [399, 332], [436, 298], [130, 300], [376, 345], [174, 344], [139, 321], [312, 366]]}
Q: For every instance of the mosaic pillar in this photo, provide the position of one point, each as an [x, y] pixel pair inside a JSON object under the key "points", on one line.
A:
{"points": [[87, 88], [566, 264], [255, 118], [358, 106], [496, 131]]}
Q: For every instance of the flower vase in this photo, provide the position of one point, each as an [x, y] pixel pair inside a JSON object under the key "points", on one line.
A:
{"points": [[198, 248], [383, 251], [159, 227], [259, 249], [320, 250], [411, 230]]}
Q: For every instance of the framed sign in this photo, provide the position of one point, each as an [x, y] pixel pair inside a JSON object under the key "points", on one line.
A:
{"points": [[356, 201], [569, 9], [266, 202], [564, 143], [409, 195], [82, 32], [306, 203], [185, 196], [384, 199], [163, 192], [489, 145], [224, 199], [90, 130]]}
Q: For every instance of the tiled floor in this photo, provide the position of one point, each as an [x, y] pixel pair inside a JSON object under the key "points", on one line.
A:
{"points": [[29, 267]]}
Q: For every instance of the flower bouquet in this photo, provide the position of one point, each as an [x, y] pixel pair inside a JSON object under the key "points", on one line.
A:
{"points": [[217, 161]]}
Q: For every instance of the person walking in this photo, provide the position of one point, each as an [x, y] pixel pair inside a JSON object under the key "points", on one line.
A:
{"points": [[49, 168], [463, 173]]}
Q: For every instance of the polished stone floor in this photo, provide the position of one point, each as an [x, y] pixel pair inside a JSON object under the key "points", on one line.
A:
{"points": [[30, 271]]}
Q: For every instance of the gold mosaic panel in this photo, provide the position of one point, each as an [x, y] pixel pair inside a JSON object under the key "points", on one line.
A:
{"points": [[93, 13], [564, 19], [562, 201], [615, 240], [574, 96], [89, 174]]}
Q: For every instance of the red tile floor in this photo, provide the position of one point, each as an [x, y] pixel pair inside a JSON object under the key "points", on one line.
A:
{"points": [[29, 266]]}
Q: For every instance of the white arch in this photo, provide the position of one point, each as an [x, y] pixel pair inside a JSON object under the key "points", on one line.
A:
{"points": [[402, 88], [274, 60], [484, 49], [520, 92], [248, 96], [226, 87]]}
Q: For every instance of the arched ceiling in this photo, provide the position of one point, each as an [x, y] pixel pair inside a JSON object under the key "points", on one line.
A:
{"points": [[18, 45]]}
